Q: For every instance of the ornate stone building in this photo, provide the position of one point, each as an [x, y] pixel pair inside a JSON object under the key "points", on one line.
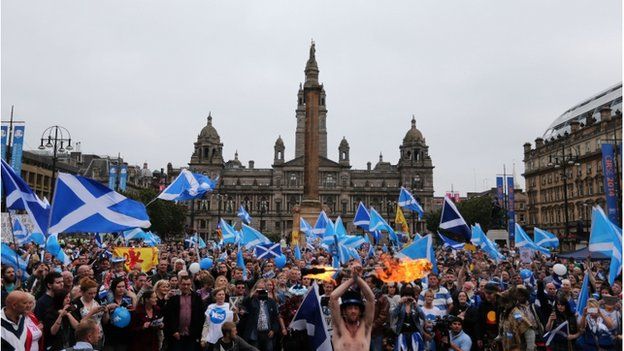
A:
{"points": [[564, 169], [270, 194]]}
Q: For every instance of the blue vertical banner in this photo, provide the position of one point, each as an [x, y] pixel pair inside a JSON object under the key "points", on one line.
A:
{"points": [[112, 176], [500, 191], [5, 132], [610, 181], [16, 149], [511, 213], [123, 177]]}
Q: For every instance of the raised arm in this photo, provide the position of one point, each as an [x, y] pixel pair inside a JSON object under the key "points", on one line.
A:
{"points": [[334, 306], [369, 311]]}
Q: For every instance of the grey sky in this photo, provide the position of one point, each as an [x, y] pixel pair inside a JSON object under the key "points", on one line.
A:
{"points": [[139, 77]]}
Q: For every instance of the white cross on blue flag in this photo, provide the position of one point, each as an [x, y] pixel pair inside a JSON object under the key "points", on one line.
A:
{"points": [[544, 238], [452, 221], [243, 215], [407, 200], [268, 251], [309, 317], [84, 205]]}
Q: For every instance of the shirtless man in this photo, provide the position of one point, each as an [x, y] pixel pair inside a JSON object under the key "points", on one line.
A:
{"points": [[353, 319]]}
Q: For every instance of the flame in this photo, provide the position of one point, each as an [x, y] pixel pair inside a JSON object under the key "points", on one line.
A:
{"points": [[394, 270], [327, 276]]}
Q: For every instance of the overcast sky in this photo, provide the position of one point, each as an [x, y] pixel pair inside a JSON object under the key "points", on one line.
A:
{"points": [[140, 77]]}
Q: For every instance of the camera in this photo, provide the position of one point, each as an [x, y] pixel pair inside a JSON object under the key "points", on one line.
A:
{"points": [[262, 294], [441, 328]]}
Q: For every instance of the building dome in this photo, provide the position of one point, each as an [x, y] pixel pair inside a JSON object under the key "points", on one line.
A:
{"points": [[279, 142], [344, 143], [209, 132], [413, 134]]}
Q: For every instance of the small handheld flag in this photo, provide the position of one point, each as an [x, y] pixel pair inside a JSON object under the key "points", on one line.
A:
{"points": [[452, 221], [244, 215], [407, 200]]}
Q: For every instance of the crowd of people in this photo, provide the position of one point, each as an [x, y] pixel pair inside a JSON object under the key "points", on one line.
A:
{"points": [[471, 303]]}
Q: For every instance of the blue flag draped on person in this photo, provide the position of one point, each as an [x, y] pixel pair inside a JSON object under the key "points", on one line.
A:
{"points": [[19, 196], [251, 237], [481, 240], [321, 224], [523, 241], [606, 238], [362, 217], [243, 215], [268, 251], [545, 239], [451, 220], [309, 317], [449, 243], [229, 234], [84, 205], [188, 186], [407, 201], [421, 248], [416, 342]]}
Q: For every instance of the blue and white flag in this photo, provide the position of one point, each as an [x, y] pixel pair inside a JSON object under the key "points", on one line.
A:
{"points": [[20, 197], [134, 234], [377, 222], [188, 186], [362, 217], [407, 201], [20, 232], [297, 252], [422, 248], [481, 240], [54, 248], [523, 241], [84, 205], [339, 228], [10, 258], [252, 237], [240, 262], [228, 233], [606, 238], [583, 296], [452, 221], [98, 240], [304, 226], [559, 330], [544, 238], [353, 241], [310, 317], [196, 241], [268, 251], [416, 342], [243, 215], [449, 243], [321, 224]]}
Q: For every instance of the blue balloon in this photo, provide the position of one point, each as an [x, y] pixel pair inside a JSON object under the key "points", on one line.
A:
{"points": [[525, 273], [280, 261], [205, 263], [121, 317]]}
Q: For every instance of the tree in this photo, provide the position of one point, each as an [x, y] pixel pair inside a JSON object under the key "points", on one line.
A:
{"points": [[167, 217]]}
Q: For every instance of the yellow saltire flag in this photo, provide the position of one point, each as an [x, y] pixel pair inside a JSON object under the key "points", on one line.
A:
{"points": [[295, 237], [146, 256], [399, 219]]}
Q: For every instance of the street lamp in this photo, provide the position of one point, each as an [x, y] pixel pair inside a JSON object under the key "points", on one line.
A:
{"points": [[416, 184], [263, 208], [564, 161], [58, 139]]}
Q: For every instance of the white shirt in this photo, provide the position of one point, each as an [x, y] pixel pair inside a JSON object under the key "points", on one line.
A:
{"points": [[216, 315]]}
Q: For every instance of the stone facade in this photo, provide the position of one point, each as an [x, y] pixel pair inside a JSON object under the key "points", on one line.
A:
{"points": [[569, 157], [271, 194]]}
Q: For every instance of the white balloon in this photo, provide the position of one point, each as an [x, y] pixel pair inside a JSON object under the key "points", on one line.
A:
{"points": [[560, 269], [194, 268]]}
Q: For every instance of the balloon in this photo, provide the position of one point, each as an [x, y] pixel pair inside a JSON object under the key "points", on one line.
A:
{"points": [[121, 317], [526, 273], [560, 269], [205, 263], [194, 268], [280, 261]]}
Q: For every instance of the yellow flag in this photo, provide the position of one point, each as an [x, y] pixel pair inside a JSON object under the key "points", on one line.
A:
{"points": [[295, 237], [146, 256], [399, 219]]}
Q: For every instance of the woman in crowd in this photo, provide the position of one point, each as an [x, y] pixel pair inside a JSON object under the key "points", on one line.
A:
{"points": [[595, 326], [460, 306], [207, 282], [117, 338], [217, 313], [35, 328], [146, 323], [163, 293], [562, 314], [58, 324], [87, 307], [409, 317]]}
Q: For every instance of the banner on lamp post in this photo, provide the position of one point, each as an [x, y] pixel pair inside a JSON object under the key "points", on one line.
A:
{"points": [[500, 191], [610, 181], [123, 177], [112, 177], [16, 149], [5, 132], [511, 213]]}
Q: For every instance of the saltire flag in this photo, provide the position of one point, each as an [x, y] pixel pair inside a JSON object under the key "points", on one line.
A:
{"points": [[54, 248], [559, 330], [188, 186], [134, 234], [371, 250], [20, 232], [481, 240], [422, 248], [196, 241], [352, 241], [36, 238], [544, 238], [251, 237], [19, 196], [11, 258], [268, 251], [228, 233], [240, 262], [304, 226], [339, 228], [321, 224], [407, 200], [329, 235], [377, 222], [452, 221], [606, 238], [362, 217], [523, 241], [84, 205], [399, 219], [309, 317], [297, 252], [146, 256], [243, 215], [451, 243], [583, 295], [416, 342], [98, 240]]}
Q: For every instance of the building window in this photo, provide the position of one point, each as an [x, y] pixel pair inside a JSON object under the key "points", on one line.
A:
{"points": [[588, 169], [344, 208], [278, 207], [278, 226]]}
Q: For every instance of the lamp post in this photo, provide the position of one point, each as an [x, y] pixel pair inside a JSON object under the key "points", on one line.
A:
{"points": [[55, 138], [415, 185], [263, 208], [564, 161]]}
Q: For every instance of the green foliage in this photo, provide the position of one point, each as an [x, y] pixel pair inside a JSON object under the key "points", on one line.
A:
{"points": [[167, 217]]}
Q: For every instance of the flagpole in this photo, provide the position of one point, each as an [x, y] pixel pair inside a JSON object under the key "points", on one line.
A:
{"points": [[15, 243]]}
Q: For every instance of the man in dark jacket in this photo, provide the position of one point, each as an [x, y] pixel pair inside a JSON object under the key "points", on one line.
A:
{"points": [[262, 320], [488, 316], [184, 318]]}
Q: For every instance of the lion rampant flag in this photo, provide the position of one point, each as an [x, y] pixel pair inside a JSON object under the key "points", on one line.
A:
{"points": [[146, 256], [399, 219]]}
